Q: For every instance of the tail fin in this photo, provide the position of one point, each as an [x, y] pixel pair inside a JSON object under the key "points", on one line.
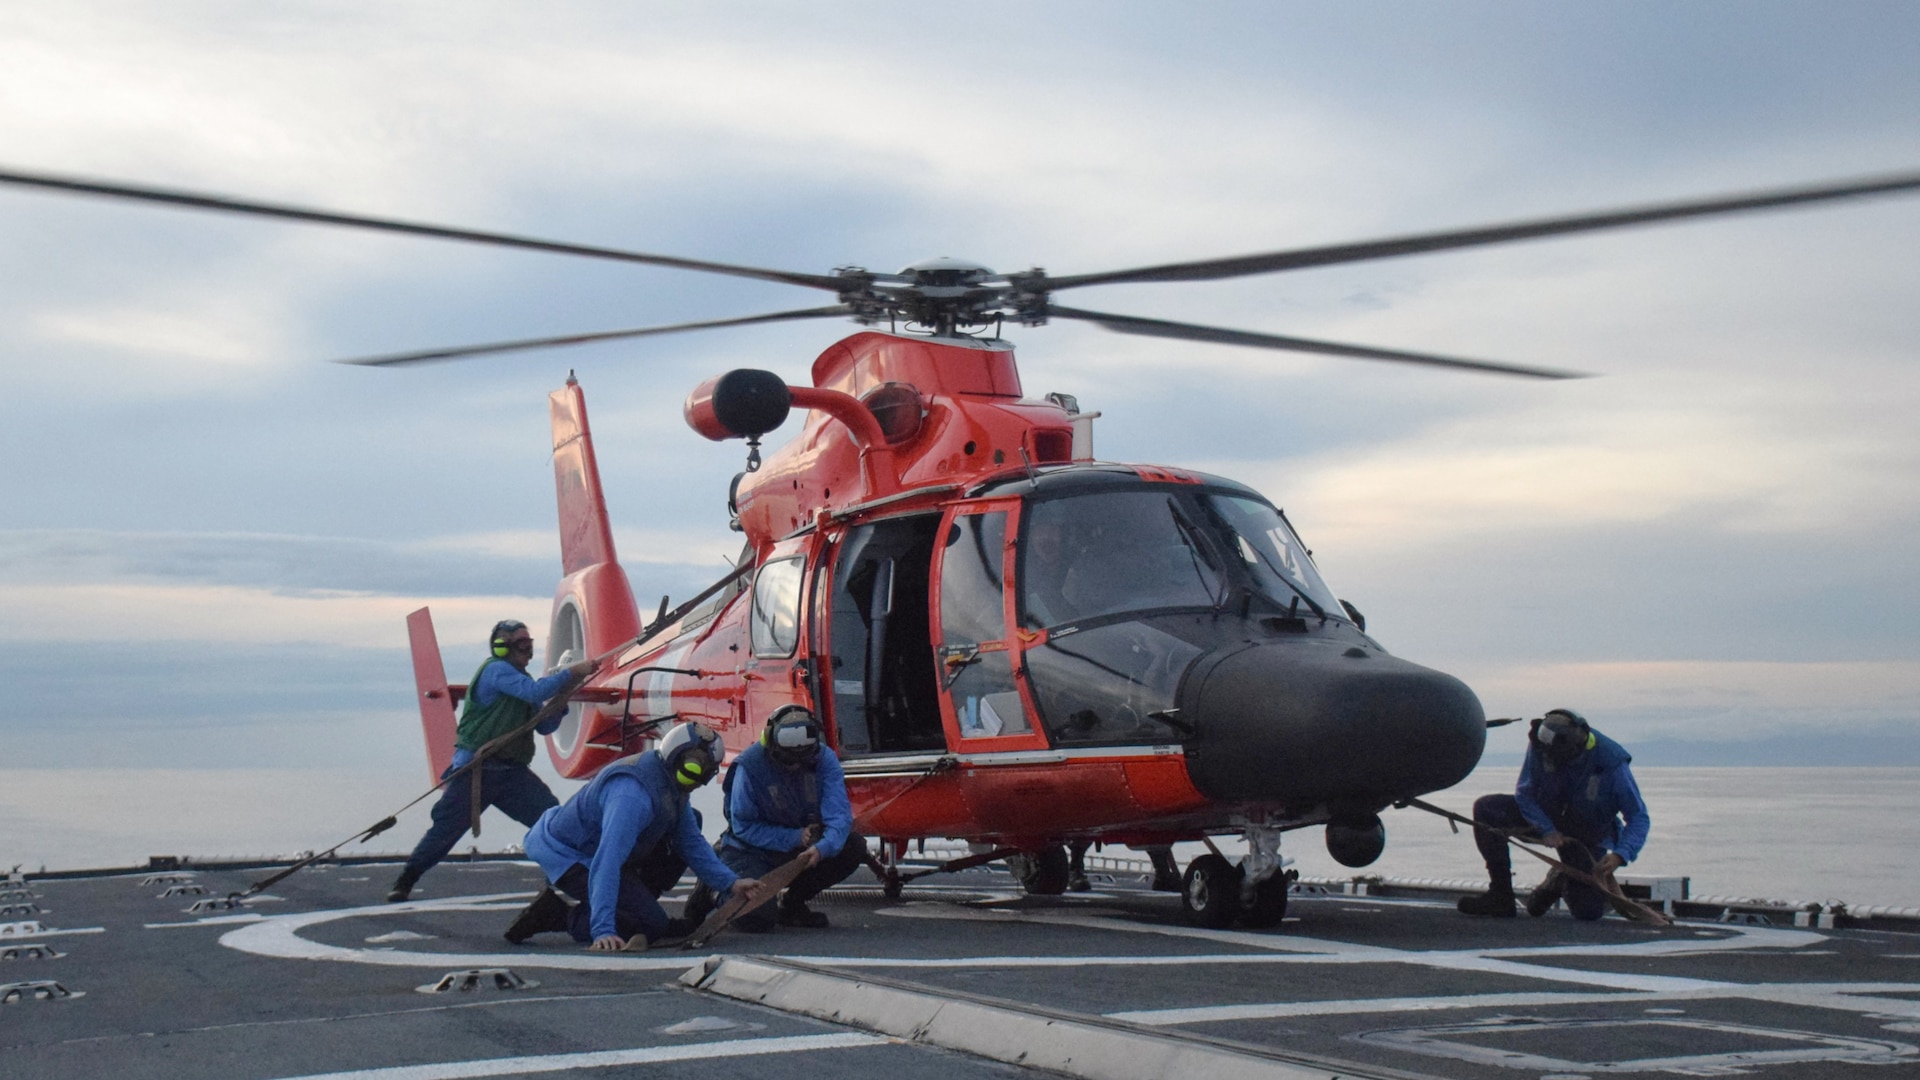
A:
{"points": [[595, 588], [436, 697]]}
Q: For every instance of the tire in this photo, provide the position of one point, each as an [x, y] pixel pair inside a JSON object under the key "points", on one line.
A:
{"points": [[1043, 872], [1269, 902], [1210, 892]]}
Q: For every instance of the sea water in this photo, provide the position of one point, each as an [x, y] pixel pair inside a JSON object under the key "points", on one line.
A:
{"points": [[1772, 833]]}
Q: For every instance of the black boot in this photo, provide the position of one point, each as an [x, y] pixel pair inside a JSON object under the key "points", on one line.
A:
{"points": [[1546, 894], [1497, 902], [403, 886], [797, 913], [699, 905], [548, 912], [1166, 872]]}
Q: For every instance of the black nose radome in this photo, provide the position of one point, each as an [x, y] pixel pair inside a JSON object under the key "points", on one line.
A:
{"points": [[1309, 724]]}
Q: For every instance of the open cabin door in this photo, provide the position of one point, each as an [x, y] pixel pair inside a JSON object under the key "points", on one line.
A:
{"points": [[879, 677], [984, 707]]}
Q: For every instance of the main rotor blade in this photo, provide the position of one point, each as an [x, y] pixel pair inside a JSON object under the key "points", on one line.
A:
{"points": [[82, 186], [1129, 324], [459, 352], [1301, 258]]}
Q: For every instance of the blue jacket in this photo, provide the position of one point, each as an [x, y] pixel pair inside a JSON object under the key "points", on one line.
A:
{"points": [[768, 807], [630, 806], [1592, 798]]}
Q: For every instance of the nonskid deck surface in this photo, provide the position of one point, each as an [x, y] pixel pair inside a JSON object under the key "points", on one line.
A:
{"points": [[323, 978]]}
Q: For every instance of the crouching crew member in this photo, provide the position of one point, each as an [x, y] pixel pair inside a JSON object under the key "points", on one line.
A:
{"points": [[621, 841], [1577, 795], [501, 697], [786, 799]]}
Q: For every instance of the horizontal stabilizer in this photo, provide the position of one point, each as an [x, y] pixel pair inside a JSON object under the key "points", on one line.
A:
{"points": [[435, 696]]}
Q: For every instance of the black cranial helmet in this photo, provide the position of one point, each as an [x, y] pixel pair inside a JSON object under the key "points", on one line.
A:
{"points": [[1562, 735], [693, 753], [792, 737]]}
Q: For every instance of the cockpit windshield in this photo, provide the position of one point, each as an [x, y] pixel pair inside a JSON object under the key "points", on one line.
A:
{"points": [[1104, 553], [1131, 587], [1270, 552]]}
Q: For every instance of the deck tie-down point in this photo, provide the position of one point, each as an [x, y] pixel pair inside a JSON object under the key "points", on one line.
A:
{"points": [[19, 911], [218, 903], [187, 889], [475, 979], [33, 950], [151, 880], [39, 990]]}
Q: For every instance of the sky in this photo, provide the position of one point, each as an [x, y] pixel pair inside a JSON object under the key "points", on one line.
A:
{"points": [[210, 536]]}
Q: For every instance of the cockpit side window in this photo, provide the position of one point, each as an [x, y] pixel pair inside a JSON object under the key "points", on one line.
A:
{"points": [[1271, 554], [776, 607]]}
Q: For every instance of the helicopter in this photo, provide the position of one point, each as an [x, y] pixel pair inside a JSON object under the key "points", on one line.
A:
{"points": [[1007, 640]]}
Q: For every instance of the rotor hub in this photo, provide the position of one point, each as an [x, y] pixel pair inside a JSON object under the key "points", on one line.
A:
{"points": [[946, 295]]}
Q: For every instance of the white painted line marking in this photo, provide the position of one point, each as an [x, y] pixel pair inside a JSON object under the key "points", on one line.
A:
{"points": [[600, 1059], [279, 936], [1361, 1006], [211, 920]]}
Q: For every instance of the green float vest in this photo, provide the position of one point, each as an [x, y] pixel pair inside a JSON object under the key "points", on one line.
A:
{"points": [[481, 724]]}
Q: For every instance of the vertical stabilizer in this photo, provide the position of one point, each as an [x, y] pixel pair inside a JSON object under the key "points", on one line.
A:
{"points": [[593, 609], [436, 698], [586, 538]]}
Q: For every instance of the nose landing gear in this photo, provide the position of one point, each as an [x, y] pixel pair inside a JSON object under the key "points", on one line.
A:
{"points": [[1214, 892]]}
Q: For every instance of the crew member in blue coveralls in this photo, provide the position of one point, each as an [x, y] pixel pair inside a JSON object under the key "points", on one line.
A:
{"points": [[596, 847], [787, 799], [501, 698], [1577, 795]]}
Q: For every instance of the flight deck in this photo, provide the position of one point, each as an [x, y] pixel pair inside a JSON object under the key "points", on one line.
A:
{"points": [[147, 974]]}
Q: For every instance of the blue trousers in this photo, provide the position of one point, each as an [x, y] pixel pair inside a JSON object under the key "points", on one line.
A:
{"points": [[512, 789], [637, 910], [1503, 812]]}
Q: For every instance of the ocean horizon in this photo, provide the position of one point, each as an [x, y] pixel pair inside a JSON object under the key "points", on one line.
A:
{"points": [[1767, 832]]}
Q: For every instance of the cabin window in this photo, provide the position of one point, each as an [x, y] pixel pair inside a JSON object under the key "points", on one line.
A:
{"points": [[776, 607]]}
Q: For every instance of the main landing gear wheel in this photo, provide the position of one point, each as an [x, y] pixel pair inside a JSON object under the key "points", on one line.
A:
{"points": [[1041, 873], [1210, 892], [1269, 902]]}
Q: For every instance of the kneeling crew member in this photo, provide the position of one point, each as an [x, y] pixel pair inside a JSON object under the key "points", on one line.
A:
{"points": [[598, 847], [1576, 795], [787, 798], [501, 697]]}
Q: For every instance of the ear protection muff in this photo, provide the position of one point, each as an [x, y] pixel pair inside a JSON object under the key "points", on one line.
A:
{"points": [[692, 753], [696, 767], [501, 638]]}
